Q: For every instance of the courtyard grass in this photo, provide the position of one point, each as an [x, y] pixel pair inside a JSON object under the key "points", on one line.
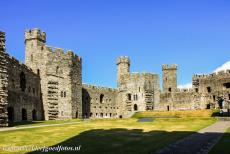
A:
{"points": [[183, 113], [107, 135], [222, 146]]}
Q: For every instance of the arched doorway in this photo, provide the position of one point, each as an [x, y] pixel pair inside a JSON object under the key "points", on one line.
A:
{"points": [[10, 111], [135, 107], [24, 114], [34, 114]]}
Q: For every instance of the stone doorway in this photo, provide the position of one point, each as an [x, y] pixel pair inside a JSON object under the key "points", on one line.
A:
{"points": [[10, 111], [34, 114], [24, 115]]}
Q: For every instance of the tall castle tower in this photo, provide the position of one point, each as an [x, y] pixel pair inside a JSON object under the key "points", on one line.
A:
{"points": [[35, 40], [169, 78], [123, 67], [3, 82]]}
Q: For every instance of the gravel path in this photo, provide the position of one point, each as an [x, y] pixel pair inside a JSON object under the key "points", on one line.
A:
{"points": [[198, 143]]}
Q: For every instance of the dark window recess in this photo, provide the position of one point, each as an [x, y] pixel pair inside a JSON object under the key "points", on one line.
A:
{"points": [[101, 98], [170, 89], [38, 71], [22, 81], [61, 93], [209, 89], [197, 90], [64, 94], [214, 98], [229, 96], [227, 85], [129, 97]]}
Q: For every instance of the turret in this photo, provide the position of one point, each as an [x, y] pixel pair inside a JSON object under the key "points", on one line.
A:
{"points": [[123, 67], [169, 78]]}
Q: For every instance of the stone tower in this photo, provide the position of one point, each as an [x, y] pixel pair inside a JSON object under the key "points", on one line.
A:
{"points": [[34, 44], [123, 67], [3, 82], [169, 78]]}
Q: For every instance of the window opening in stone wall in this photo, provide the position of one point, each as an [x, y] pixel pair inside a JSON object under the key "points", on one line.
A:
{"points": [[38, 72], [229, 96], [135, 107], [197, 90], [129, 97], [139, 89], [170, 89], [101, 98], [209, 89], [214, 98], [61, 93], [64, 94], [22, 81], [227, 85], [57, 70]]}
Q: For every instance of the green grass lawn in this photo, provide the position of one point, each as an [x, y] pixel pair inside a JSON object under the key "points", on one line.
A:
{"points": [[107, 135], [223, 146]]}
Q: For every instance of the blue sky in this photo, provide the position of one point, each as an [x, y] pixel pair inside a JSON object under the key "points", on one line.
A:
{"points": [[194, 34]]}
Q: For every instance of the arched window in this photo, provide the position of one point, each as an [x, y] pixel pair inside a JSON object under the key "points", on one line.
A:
{"points": [[129, 97], [61, 93], [101, 98], [135, 107], [38, 72], [22, 81]]}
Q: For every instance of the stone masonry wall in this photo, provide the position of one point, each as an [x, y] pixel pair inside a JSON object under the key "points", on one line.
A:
{"points": [[99, 102]]}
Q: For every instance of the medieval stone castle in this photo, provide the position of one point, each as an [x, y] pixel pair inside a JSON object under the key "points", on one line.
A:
{"points": [[49, 87]]}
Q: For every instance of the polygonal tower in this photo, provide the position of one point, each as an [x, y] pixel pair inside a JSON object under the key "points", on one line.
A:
{"points": [[123, 67], [35, 40], [169, 78]]}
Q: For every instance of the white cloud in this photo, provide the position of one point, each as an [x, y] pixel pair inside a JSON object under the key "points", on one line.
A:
{"points": [[187, 86], [225, 66]]}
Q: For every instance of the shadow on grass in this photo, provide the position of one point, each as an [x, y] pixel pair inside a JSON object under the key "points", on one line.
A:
{"points": [[124, 141]]}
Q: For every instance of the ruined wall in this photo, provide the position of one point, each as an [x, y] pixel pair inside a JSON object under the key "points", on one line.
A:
{"points": [[3, 82], [21, 91], [99, 102], [61, 77], [212, 87]]}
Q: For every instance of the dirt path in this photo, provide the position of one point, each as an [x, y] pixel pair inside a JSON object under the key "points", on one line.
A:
{"points": [[198, 143]]}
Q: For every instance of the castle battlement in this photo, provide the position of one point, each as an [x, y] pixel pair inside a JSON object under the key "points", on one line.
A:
{"points": [[35, 34], [169, 67], [211, 75], [123, 59], [98, 87], [69, 54]]}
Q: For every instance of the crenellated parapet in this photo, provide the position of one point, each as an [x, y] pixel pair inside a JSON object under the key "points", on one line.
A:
{"points": [[212, 75], [2, 41], [35, 34], [99, 87], [169, 67], [123, 59]]}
